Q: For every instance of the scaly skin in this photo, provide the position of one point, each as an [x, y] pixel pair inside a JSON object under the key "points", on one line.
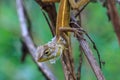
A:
{"points": [[63, 17], [59, 43]]}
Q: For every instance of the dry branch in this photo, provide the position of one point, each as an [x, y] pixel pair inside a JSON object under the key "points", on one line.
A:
{"points": [[80, 65], [91, 59], [28, 41], [114, 16], [51, 11], [88, 53]]}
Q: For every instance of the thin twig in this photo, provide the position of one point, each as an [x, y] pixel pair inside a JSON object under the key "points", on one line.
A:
{"points": [[81, 51], [92, 61], [76, 22], [89, 55], [81, 9], [24, 51], [94, 46], [50, 26], [28, 41], [51, 11], [80, 64]]}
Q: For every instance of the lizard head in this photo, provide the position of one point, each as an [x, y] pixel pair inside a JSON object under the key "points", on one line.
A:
{"points": [[49, 51]]}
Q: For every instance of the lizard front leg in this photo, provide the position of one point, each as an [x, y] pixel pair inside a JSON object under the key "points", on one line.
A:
{"points": [[76, 31]]}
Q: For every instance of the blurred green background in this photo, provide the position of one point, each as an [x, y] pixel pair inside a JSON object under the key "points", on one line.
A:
{"points": [[94, 21]]}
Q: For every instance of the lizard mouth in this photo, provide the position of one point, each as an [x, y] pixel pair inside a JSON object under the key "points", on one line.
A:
{"points": [[43, 59]]}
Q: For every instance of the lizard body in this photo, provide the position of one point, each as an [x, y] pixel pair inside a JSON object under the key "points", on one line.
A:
{"points": [[54, 48]]}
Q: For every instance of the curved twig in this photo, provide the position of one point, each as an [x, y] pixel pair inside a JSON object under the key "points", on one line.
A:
{"points": [[28, 41]]}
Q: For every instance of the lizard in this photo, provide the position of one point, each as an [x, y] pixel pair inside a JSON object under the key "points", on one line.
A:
{"points": [[53, 49]]}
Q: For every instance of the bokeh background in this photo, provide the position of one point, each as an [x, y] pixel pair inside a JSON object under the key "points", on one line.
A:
{"points": [[94, 21]]}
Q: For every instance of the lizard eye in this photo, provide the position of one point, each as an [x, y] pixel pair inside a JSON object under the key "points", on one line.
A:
{"points": [[47, 52]]}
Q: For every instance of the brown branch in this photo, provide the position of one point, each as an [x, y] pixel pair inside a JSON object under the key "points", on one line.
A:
{"points": [[51, 11], [80, 64], [68, 64], [69, 75], [28, 41], [78, 14], [24, 47], [88, 53], [114, 16], [81, 51], [92, 61]]}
